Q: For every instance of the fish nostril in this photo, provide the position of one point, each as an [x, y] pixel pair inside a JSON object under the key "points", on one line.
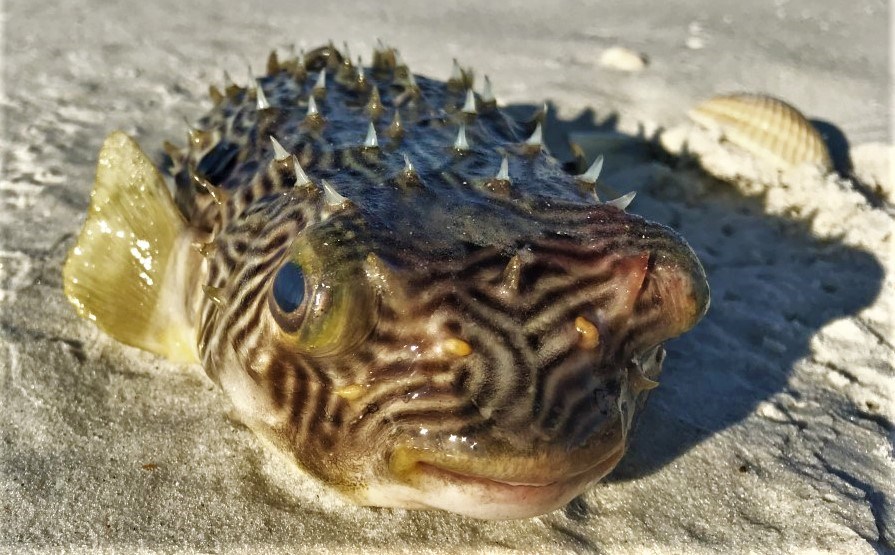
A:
{"points": [[534, 341], [679, 283]]}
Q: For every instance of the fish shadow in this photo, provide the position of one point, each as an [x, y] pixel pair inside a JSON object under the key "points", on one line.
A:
{"points": [[774, 286]]}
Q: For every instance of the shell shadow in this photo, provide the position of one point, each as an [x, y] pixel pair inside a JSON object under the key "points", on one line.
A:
{"points": [[837, 144], [840, 152], [774, 286]]}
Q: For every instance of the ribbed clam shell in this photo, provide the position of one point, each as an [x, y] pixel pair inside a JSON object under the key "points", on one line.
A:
{"points": [[765, 126]]}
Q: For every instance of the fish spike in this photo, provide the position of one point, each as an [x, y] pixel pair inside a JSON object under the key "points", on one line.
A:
{"points": [[172, 150], [383, 56], [469, 105], [290, 64], [593, 172], [361, 79], [374, 96], [263, 104], [346, 73], [512, 274], [228, 80], [216, 95], [332, 54], [540, 116], [623, 201], [279, 153], [537, 137], [371, 141], [500, 183], [214, 294], [206, 250], [273, 63], [456, 72], [402, 70], [199, 139], [374, 106], [411, 81], [231, 89], [399, 59], [196, 139], [487, 92], [396, 128], [313, 111], [639, 382], [503, 174], [321, 80], [468, 77], [332, 197], [218, 195], [301, 178], [461, 143], [408, 178]]}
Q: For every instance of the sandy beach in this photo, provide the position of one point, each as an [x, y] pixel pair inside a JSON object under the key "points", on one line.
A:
{"points": [[773, 428]]}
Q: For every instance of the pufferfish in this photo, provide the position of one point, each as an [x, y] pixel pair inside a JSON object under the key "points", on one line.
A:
{"points": [[414, 303]]}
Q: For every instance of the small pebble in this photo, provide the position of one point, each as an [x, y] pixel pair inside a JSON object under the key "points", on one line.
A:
{"points": [[623, 59], [770, 411]]}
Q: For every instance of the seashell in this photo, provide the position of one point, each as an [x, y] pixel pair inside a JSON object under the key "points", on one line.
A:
{"points": [[766, 127]]}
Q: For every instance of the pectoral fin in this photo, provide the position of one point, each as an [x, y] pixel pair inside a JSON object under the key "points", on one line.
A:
{"points": [[122, 274]]}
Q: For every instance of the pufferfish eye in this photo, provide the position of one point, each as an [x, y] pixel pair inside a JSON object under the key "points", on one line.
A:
{"points": [[289, 287], [320, 296], [320, 307]]}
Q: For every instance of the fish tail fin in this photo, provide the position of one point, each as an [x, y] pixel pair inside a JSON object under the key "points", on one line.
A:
{"points": [[125, 273]]}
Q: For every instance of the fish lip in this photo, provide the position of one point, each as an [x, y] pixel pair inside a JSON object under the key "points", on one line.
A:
{"points": [[470, 478], [425, 463], [428, 484]]}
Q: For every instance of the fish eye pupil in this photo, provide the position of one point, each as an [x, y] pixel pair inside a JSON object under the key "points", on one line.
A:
{"points": [[289, 287]]}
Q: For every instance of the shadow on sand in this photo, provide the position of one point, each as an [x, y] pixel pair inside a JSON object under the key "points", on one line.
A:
{"points": [[774, 286]]}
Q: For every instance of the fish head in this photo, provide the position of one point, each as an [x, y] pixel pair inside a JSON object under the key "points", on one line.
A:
{"points": [[495, 379]]}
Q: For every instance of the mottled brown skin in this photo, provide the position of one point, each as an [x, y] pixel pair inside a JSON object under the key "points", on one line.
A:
{"points": [[462, 341]]}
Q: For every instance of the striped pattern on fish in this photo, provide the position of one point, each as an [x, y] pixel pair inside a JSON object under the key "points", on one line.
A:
{"points": [[405, 295]]}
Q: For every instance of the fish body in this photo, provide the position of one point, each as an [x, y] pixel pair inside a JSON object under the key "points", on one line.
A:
{"points": [[403, 293]]}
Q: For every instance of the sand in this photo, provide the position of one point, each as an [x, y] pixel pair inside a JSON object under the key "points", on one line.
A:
{"points": [[772, 430]]}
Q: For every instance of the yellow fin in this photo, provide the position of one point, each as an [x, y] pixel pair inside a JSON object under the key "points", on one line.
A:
{"points": [[122, 274]]}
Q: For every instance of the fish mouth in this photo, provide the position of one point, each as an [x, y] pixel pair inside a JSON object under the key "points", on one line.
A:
{"points": [[486, 481], [493, 489]]}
